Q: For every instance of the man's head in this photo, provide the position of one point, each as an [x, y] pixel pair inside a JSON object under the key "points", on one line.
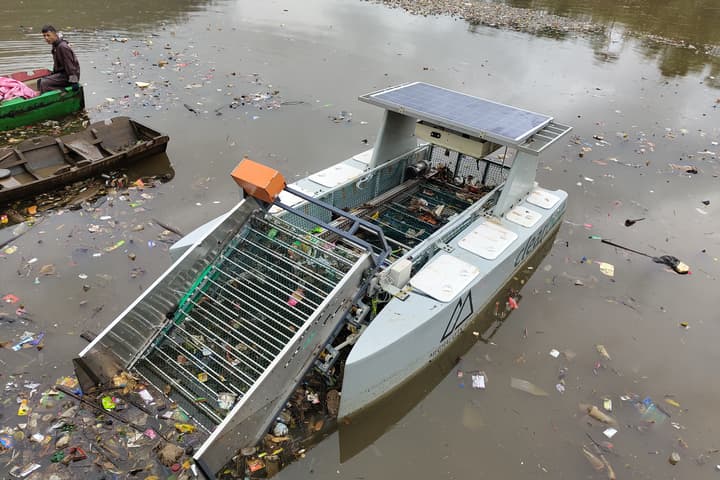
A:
{"points": [[49, 34]]}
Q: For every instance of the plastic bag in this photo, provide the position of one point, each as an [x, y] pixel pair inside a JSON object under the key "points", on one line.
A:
{"points": [[525, 386]]}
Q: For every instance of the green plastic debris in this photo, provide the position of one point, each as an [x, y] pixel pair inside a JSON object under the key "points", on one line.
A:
{"points": [[180, 416], [57, 456], [117, 245], [107, 403]]}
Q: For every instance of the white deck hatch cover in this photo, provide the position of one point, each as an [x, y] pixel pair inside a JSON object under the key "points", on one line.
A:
{"points": [[444, 277], [543, 198], [364, 157], [290, 199], [488, 240], [336, 175], [523, 216]]}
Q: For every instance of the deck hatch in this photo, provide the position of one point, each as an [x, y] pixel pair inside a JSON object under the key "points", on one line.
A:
{"points": [[444, 277], [336, 175], [542, 198], [488, 240], [523, 216]]}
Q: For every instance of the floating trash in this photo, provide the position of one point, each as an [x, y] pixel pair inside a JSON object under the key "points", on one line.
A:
{"points": [[525, 386]]}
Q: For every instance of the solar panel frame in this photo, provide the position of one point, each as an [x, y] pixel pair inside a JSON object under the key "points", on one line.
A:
{"points": [[461, 112]]}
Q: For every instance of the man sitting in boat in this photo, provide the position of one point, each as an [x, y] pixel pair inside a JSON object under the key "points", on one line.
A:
{"points": [[66, 68]]}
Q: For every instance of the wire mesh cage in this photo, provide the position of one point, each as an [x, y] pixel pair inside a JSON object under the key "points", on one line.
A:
{"points": [[486, 171]]}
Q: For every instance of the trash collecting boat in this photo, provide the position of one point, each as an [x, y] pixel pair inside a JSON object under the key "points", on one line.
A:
{"points": [[42, 163], [18, 112], [366, 270]]}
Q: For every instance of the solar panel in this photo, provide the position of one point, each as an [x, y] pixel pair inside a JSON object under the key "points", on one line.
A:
{"points": [[465, 113]]}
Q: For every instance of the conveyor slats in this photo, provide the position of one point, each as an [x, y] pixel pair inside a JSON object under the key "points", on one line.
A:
{"points": [[240, 313]]}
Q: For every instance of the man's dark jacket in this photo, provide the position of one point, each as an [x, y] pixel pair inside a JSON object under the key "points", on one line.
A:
{"points": [[65, 61]]}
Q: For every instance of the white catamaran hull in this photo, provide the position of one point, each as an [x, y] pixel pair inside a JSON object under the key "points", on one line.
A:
{"points": [[409, 333], [391, 253]]}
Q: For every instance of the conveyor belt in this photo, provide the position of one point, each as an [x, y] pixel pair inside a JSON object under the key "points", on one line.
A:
{"points": [[241, 312]]}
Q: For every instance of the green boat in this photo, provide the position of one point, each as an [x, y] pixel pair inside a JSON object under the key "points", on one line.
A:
{"points": [[54, 104]]}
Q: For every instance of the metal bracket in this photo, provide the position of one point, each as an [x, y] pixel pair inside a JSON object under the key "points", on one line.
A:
{"points": [[333, 353], [330, 358], [444, 246], [400, 293]]}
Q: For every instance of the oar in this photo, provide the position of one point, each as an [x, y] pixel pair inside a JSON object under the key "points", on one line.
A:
{"points": [[672, 262]]}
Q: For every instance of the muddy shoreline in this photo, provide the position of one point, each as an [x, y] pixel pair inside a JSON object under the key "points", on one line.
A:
{"points": [[498, 15]]}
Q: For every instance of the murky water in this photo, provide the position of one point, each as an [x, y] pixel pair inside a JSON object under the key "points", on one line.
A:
{"points": [[92, 24], [677, 19], [649, 107]]}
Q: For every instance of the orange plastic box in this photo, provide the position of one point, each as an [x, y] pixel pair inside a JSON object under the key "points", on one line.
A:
{"points": [[257, 180]]}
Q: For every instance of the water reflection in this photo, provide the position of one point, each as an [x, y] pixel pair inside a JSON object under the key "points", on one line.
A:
{"points": [[607, 48], [693, 21], [680, 35]]}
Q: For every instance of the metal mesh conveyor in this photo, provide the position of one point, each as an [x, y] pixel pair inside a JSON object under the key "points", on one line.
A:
{"points": [[241, 312]]}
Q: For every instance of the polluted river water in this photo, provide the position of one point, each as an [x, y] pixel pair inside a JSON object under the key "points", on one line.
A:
{"points": [[278, 82]]}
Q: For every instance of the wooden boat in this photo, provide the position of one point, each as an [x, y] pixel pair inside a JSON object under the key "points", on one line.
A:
{"points": [[54, 104], [46, 162]]}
